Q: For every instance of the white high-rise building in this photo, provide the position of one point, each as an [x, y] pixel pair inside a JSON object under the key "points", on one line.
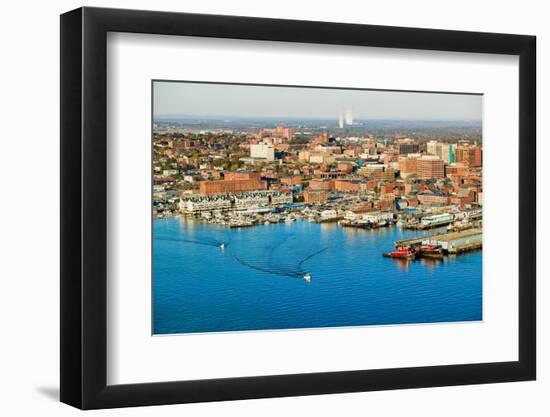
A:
{"points": [[434, 147], [448, 152], [341, 120], [263, 151]]}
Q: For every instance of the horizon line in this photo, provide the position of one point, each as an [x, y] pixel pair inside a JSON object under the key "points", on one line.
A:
{"points": [[220, 117]]}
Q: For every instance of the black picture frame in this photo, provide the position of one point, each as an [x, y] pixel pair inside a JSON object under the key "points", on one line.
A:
{"points": [[84, 207]]}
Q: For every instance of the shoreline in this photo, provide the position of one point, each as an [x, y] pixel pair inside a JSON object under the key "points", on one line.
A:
{"points": [[438, 234]]}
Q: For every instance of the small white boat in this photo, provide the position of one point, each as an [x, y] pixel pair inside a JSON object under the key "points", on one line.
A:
{"points": [[307, 277], [222, 246]]}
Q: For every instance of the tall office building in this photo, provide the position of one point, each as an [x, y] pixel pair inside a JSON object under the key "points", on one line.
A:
{"points": [[406, 146], [434, 147], [262, 150], [430, 167], [408, 165], [284, 132], [470, 155], [448, 152]]}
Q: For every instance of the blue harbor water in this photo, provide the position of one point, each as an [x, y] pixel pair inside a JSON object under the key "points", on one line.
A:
{"points": [[256, 281]]}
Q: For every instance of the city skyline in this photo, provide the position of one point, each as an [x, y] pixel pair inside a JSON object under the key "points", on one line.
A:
{"points": [[210, 100], [298, 212]]}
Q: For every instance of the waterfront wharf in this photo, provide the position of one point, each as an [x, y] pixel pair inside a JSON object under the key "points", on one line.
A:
{"points": [[409, 242], [406, 243], [453, 242]]}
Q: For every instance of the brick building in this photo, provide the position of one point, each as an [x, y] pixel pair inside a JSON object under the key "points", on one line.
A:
{"points": [[470, 155], [231, 186], [241, 175], [430, 167], [408, 165], [295, 180], [347, 185], [429, 199], [377, 171], [456, 169], [315, 196], [321, 184]]}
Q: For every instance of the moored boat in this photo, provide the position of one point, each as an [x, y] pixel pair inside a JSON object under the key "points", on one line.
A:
{"points": [[362, 224], [404, 253], [236, 223], [382, 223], [431, 251]]}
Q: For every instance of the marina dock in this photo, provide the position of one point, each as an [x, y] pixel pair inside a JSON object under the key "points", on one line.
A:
{"points": [[438, 245], [457, 242]]}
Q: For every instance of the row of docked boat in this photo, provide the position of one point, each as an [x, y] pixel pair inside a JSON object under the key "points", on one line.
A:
{"points": [[414, 252], [364, 224], [242, 222]]}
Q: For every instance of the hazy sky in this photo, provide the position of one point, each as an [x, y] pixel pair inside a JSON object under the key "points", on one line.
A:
{"points": [[199, 99]]}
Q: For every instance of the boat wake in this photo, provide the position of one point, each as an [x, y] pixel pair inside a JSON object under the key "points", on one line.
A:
{"points": [[281, 264], [205, 241], [307, 258], [268, 270], [284, 258]]}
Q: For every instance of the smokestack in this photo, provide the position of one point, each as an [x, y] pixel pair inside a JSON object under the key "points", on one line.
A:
{"points": [[349, 117]]}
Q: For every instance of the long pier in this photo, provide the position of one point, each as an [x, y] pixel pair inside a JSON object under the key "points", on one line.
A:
{"points": [[451, 243], [416, 241], [409, 242]]}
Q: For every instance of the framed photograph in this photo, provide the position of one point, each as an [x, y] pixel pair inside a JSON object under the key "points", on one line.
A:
{"points": [[257, 208]]}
